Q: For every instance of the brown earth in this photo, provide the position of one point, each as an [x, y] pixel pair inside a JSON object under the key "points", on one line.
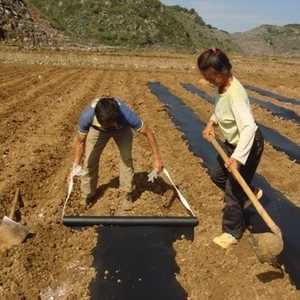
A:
{"points": [[42, 95]]}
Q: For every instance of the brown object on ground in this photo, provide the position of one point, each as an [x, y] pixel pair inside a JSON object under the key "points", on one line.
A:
{"points": [[268, 245], [11, 232]]}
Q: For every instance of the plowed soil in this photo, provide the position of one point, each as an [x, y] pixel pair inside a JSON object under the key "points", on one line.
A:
{"points": [[42, 95]]}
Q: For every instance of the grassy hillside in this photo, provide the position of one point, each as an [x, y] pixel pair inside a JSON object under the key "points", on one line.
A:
{"points": [[133, 23], [116, 22], [201, 34]]}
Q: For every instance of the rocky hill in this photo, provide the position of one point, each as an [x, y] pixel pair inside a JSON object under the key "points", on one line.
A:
{"points": [[22, 24], [270, 40], [134, 23]]}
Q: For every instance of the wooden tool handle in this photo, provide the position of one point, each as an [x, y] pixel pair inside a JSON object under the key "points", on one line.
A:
{"points": [[262, 212], [14, 204]]}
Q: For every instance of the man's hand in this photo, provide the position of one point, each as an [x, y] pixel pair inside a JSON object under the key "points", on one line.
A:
{"points": [[209, 132], [77, 170], [231, 163]]}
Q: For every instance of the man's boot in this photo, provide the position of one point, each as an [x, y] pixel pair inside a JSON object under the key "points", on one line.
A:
{"points": [[86, 200], [126, 203]]}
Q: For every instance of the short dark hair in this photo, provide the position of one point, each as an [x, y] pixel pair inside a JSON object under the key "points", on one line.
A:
{"points": [[107, 110], [216, 59]]}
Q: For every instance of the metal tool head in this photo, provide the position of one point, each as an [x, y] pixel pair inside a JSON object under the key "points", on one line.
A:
{"points": [[267, 246], [11, 233]]}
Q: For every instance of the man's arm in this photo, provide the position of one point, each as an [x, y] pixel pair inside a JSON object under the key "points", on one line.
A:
{"points": [[79, 148], [157, 163], [85, 121]]}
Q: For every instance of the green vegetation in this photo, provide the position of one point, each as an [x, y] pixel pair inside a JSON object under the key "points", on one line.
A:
{"points": [[134, 23], [201, 34]]}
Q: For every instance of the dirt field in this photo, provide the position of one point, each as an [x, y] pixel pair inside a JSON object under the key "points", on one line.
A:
{"points": [[42, 95]]}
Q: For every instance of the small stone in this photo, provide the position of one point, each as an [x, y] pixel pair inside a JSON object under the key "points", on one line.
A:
{"points": [[106, 272]]}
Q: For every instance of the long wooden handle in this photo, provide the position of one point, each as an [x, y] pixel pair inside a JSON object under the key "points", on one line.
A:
{"points": [[262, 212], [14, 204]]}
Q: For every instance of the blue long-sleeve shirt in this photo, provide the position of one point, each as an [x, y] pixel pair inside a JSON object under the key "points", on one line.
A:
{"points": [[127, 118]]}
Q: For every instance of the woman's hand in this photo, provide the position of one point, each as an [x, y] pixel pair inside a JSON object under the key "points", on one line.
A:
{"points": [[231, 163], [209, 132]]}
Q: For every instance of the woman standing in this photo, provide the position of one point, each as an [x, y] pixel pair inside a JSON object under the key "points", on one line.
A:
{"points": [[244, 142]]}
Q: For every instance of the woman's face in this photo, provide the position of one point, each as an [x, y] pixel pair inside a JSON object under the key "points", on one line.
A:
{"points": [[215, 78]]}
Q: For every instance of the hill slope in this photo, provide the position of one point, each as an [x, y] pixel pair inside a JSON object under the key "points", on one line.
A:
{"points": [[134, 23], [270, 40], [23, 24], [201, 34]]}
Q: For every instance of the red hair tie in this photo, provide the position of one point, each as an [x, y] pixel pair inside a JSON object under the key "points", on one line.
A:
{"points": [[214, 50]]}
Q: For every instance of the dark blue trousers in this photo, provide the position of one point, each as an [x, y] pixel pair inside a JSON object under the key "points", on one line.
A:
{"points": [[233, 216]]}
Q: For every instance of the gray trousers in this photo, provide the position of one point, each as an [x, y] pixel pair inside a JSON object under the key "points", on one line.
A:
{"points": [[95, 143]]}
